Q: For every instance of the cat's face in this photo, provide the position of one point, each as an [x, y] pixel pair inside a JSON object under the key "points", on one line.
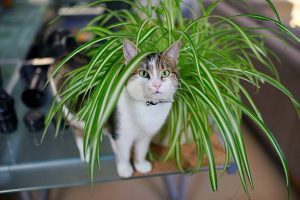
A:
{"points": [[157, 77]]}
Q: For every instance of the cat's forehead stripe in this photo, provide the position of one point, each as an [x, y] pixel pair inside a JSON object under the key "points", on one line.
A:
{"points": [[151, 62], [155, 62]]}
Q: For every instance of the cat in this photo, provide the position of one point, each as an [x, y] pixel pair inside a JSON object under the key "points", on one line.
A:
{"points": [[142, 108]]}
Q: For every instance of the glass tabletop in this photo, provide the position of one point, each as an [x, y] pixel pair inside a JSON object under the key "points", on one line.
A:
{"points": [[26, 163]]}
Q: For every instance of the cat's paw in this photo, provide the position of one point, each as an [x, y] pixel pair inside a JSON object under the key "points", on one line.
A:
{"points": [[143, 167], [125, 170]]}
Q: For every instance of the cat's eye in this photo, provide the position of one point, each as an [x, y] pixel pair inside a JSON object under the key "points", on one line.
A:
{"points": [[144, 74], [165, 74]]}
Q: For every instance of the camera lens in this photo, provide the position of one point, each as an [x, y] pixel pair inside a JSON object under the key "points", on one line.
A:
{"points": [[35, 77]]}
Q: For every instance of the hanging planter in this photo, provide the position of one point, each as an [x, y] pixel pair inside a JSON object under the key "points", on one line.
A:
{"points": [[216, 56]]}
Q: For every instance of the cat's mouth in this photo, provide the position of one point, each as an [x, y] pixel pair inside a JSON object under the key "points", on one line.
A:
{"points": [[155, 96]]}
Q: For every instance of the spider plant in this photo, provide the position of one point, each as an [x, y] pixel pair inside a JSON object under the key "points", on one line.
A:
{"points": [[216, 57]]}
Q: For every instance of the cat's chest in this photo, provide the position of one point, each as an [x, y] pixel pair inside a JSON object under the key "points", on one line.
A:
{"points": [[138, 116], [151, 117]]}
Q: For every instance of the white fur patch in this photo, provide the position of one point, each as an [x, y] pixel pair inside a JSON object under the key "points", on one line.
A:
{"points": [[138, 124]]}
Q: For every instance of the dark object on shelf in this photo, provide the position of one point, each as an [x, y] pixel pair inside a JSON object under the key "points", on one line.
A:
{"points": [[34, 120], [8, 119], [59, 42], [35, 78], [52, 43]]}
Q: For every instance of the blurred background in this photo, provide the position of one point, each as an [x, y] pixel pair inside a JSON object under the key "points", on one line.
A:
{"points": [[30, 31]]}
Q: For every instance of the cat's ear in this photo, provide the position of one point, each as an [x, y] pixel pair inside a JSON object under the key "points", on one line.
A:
{"points": [[129, 50], [172, 53]]}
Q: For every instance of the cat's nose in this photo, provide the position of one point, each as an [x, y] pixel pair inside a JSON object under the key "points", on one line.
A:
{"points": [[156, 85]]}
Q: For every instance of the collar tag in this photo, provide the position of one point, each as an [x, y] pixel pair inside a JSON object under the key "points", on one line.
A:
{"points": [[151, 103]]}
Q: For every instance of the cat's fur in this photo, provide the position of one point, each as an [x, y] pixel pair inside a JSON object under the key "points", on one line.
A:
{"points": [[143, 107]]}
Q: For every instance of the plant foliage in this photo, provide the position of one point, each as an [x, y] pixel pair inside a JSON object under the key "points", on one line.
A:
{"points": [[216, 56]]}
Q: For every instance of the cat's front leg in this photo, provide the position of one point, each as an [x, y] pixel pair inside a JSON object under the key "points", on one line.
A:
{"points": [[141, 147], [122, 148]]}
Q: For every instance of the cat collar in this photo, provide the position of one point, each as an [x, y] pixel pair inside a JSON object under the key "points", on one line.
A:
{"points": [[152, 103]]}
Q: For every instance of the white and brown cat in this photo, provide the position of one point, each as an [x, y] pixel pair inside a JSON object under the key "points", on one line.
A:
{"points": [[142, 108]]}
